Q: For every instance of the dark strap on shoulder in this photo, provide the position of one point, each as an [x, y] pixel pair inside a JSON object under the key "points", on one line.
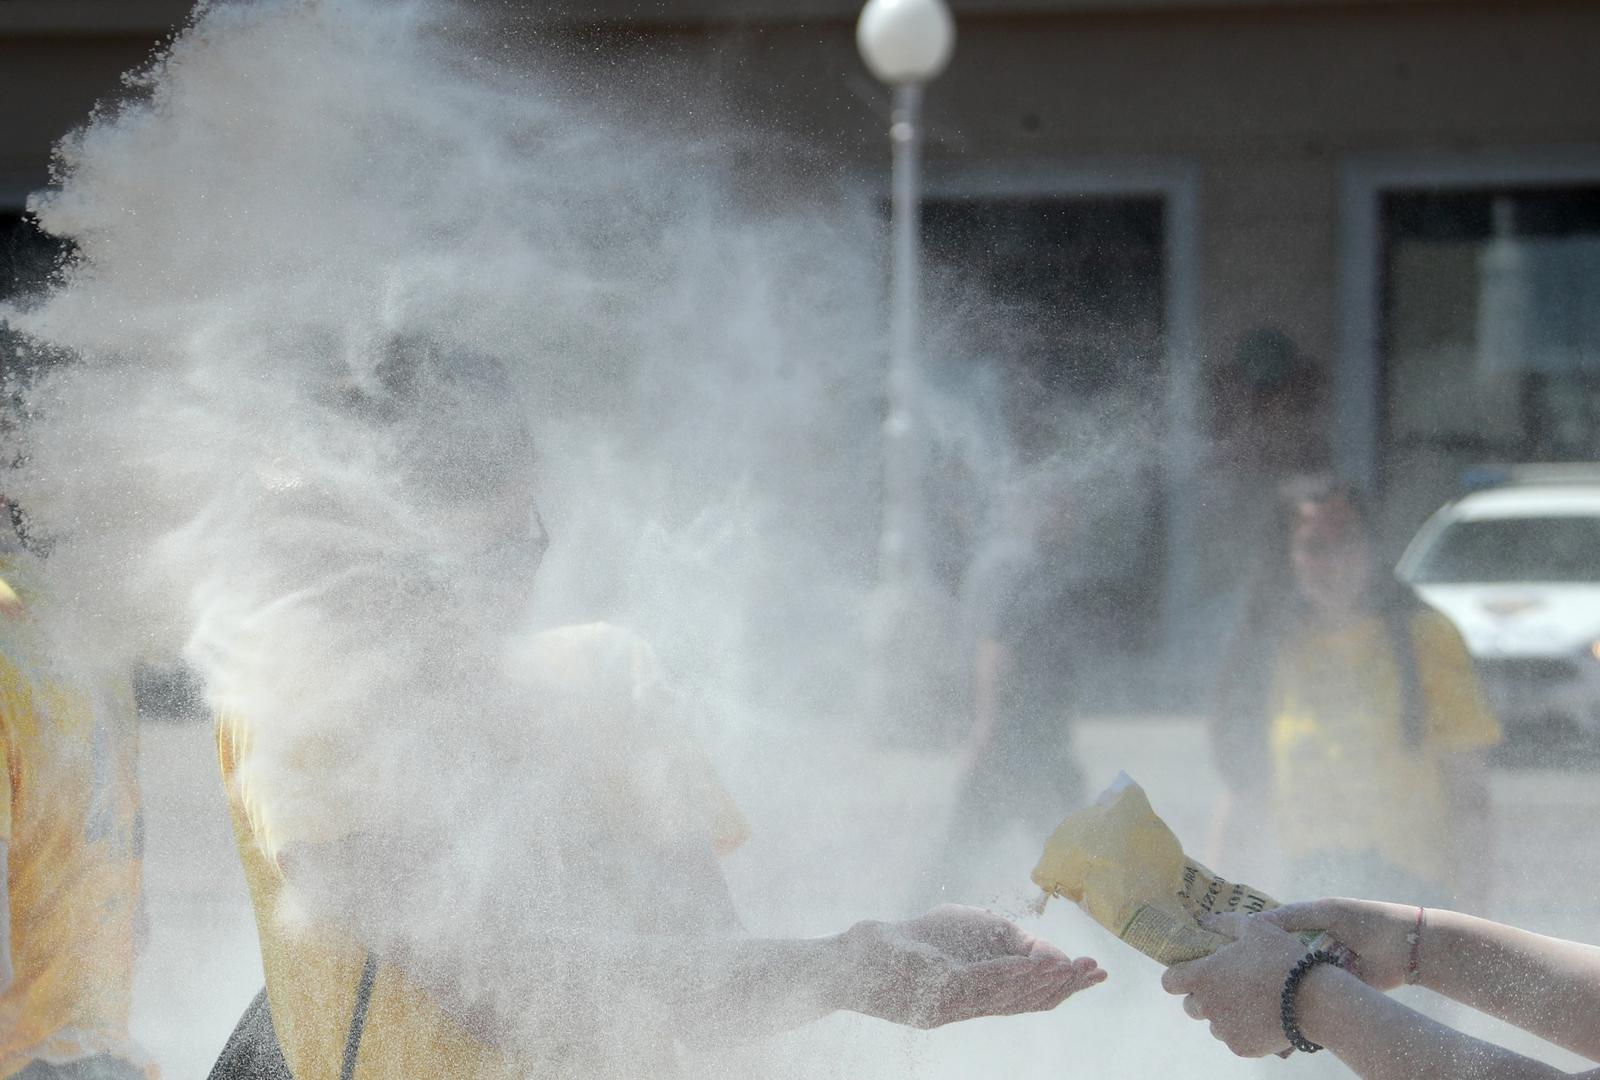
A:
{"points": [[358, 1017]]}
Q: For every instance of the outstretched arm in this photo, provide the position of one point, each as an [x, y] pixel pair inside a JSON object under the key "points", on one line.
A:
{"points": [[1381, 1039], [708, 983], [1238, 988], [1541, 984], [949, 965]]}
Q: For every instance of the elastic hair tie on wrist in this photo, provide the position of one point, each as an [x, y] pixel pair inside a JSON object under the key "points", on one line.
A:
{"points": [[1291, 988]]}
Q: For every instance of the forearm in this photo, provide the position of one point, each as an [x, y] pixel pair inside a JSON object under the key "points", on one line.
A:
{"points": [[714, 988], [1381, 1039], [527, 973], [1543, 985], [700, 990], [729, 990]]}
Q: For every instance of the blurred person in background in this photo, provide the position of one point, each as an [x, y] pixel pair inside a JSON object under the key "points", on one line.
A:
{"points": [[1272, 407], [1018, 764], [70, 841], [1349, 722], [1253, 1000]]}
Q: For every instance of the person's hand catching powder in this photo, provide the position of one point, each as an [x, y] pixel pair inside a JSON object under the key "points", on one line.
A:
{"points": [[956, 963]]}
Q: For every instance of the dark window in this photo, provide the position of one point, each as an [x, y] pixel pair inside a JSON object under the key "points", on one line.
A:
{"points": [[1069, 294], [1490, 335]]}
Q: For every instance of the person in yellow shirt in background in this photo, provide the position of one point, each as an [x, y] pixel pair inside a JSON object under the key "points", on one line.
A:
{"points": [[70, 840], [1350, 720]]}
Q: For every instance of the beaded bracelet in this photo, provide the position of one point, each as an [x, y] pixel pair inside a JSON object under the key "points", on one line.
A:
{"points": [[1291, 987]]}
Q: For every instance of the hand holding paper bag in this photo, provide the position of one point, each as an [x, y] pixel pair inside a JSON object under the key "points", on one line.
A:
{"points": [[1120, 862]]}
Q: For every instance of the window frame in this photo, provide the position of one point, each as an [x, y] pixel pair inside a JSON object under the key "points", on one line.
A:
{"points": [[1358, 384]]}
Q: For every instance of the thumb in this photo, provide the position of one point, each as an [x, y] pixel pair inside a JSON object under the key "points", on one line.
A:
{"points": [[1308, 915], [1232, 923]]}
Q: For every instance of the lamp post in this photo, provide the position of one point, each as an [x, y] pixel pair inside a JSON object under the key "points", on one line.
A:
{"points": [[905, 43]]}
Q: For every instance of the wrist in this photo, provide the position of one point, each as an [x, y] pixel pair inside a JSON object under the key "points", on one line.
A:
{"points": [[1443, 935], [850, 984], [1322, 1003], [1289, 1003]]}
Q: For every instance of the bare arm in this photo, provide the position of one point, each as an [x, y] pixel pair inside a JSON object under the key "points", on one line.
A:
{"points": [[729, 989], [1237, 989], [1381, 1039], [702, 984], [1541, 984]]}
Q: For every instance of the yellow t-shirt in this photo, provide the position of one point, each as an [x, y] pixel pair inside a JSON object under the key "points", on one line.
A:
{"points": [[69, 814], [312, 972], [1344, 779]]}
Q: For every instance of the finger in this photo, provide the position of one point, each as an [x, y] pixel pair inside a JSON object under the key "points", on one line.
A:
{"points": [[1192, 1006], [1232, 923], [1040, 949], [1064, 963], [1309, 915], [1008, 976], [987, 933], [1086, 973], [1010, 1006], [1081, 974], [1002, 988], [1046, 1002], [1181, 978], [1241, 1048]]}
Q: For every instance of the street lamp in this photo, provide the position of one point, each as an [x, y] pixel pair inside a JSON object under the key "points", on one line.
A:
{"points": [[905, 43]]}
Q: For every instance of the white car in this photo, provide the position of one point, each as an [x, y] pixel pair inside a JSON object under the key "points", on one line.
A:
{"points": [[1517, 568]]}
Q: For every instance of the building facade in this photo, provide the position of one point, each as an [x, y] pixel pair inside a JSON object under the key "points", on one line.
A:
{"points": [[1278, 234]]}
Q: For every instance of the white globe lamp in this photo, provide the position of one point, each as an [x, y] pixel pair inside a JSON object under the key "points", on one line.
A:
{"points": [[905, 41]]}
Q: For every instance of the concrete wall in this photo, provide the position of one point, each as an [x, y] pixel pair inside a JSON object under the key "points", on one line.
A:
{"points": [[1265, 105], [48, 84]]}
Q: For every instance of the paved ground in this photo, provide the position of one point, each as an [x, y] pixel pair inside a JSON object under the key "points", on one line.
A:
{"points": [[201, 966], [840, 834]]}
